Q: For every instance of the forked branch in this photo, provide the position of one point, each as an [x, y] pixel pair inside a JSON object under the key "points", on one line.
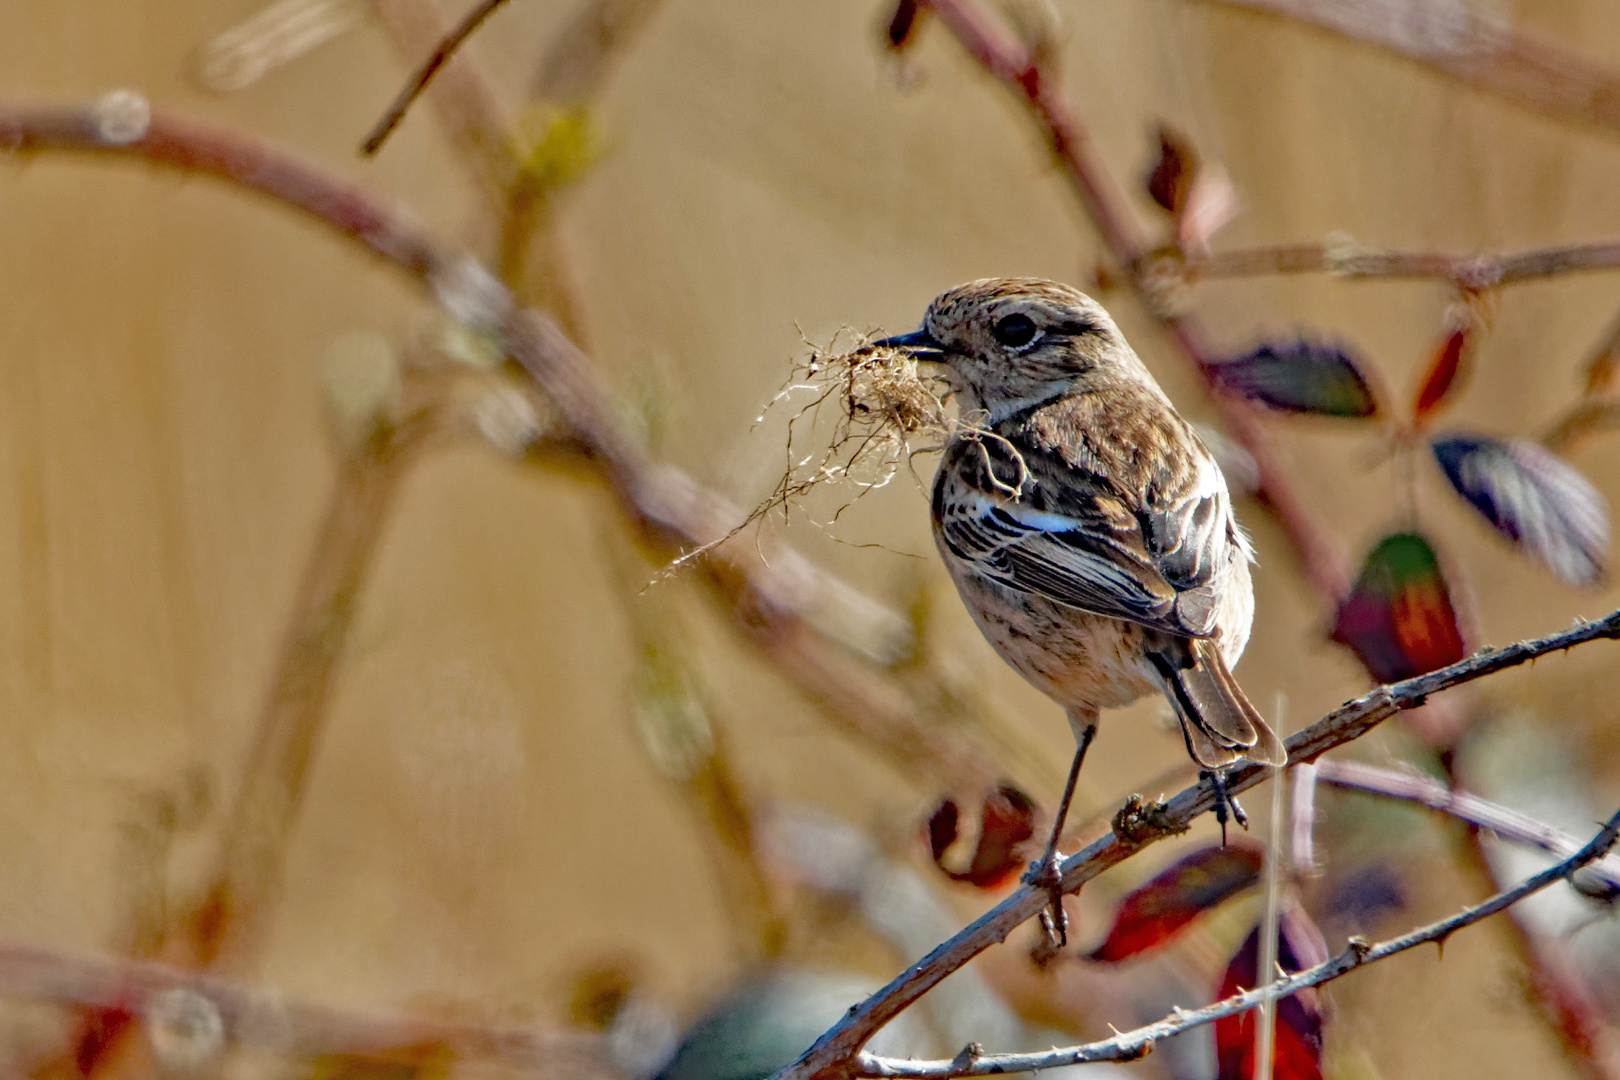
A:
{"points": [[835, 1052]]}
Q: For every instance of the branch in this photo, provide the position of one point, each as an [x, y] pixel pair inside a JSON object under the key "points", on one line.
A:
{"points": [[261, 1019], [1348, 722], [810, 623], [1458, 39], [1019, 67], [1131, 1045], [1501, 821], [424, 75], [1472, 272]]}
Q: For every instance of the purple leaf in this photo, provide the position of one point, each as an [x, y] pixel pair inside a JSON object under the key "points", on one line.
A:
{"points": [[1534, 498], [1299, 376]]}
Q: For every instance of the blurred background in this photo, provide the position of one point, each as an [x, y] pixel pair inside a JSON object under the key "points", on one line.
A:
{"points": [[537, 790]]}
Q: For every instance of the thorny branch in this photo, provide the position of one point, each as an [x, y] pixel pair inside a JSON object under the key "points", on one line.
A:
{"points": [[1131, 1045], [833, 1052]]}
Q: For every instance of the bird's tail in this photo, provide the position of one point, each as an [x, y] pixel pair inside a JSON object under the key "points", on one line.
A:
{"points": [[1217, 720]]}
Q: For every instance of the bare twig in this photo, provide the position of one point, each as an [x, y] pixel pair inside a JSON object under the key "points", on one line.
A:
{"points": [[833, 1052], [256, 1018], [581, 55], [1501, 821], [1131, 1045], [811, 624], [472, 112], [1463, 41], [1345, 259], [424, 75], [246, 879]]}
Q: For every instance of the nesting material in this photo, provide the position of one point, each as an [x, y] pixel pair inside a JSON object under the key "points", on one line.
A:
{"points": [[884, 413]]}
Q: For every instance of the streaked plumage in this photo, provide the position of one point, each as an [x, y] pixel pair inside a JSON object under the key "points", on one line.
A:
{"points": [[1087, 527]]}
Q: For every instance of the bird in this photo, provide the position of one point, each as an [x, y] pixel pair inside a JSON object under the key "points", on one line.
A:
{"points": [[1087, 527]]}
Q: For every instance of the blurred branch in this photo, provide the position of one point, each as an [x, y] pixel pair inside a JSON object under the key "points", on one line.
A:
{"points": [[581, 55], [810, 623], [260, 1019], [247, 876], [1137, 826], [1021, 67], [441, 55], [1496, 819], [1132, 1045], [1345, 259], [478, 124], [1460, 40]]}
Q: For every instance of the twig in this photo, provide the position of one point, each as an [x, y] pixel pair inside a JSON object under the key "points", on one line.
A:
{"points": [[1344, 724], [1501, 821], [813, 625], [247, 876], [260, 1019], [1463, 41], [582, 53], [424, 75], [1019, 67], [1131, 1045], [1473, 272]]}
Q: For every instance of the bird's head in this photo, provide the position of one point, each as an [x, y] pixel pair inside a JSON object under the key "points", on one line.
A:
{"points": [[1009, 343]]}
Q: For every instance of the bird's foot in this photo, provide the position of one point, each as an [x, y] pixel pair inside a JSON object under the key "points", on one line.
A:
{"points": [[1046, 875], [1226, 804]]}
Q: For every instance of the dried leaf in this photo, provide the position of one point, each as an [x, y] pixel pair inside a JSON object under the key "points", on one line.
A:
{"points": [[1297, 1046], [1444, 369], [1534, 498], [1006, 821], [1153, 913], [903, 23], [1170, 181], [1299, 376], [1399, 618]]}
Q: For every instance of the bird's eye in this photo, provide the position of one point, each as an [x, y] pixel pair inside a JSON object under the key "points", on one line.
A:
{"points": [[1015, 331]]}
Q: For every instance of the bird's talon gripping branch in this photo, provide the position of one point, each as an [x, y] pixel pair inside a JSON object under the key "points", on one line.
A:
{"points": [[1047, 875], [1226, 805]]}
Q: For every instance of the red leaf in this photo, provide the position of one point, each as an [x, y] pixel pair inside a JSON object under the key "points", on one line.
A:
{"points": [[1297, 1046], [1006, 821], [903, 23], [1444, 369], [1153, 913], [1399, 619], [1533, 497], [1170, 181]]}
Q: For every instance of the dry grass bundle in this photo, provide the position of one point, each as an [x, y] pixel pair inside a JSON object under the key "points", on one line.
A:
{"points": [[885, 413]]}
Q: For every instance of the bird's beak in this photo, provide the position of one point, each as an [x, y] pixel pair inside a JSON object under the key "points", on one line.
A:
{"points": [[919, 343]]}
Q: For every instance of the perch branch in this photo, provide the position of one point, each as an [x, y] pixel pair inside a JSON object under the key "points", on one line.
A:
{"points": [[833, 1052], [1132, 1045]]}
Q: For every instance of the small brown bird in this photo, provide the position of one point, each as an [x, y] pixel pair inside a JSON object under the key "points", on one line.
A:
{"points": [[1086, 526]]}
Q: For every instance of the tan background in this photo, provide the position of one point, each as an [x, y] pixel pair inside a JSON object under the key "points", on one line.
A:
{"points": [[480, 792]]}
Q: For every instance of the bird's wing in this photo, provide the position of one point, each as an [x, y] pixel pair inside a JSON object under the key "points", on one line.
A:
{"points": [[1077, 539]]}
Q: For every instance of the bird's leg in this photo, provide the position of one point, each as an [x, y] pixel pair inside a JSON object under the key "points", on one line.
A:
{"points": [[1226, 804], [1045, 874]]}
